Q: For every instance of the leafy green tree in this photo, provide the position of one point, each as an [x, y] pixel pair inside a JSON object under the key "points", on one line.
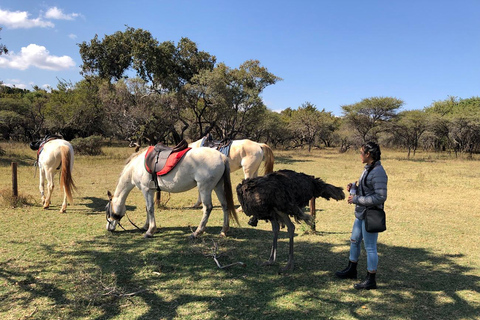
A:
{"points": [[134, 113], [3, 48], [408, 129], [465, 134], [229, 99], [367, 117], [108, 59], [273, 129], [74, 110], [305, 124], [163, 65], [13, 117], [311, 126], [37, 100], [456, 124]]}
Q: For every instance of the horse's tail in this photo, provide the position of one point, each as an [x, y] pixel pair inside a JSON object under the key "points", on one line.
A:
{"points": [[66, 180], [268, 158], [227, 186]]}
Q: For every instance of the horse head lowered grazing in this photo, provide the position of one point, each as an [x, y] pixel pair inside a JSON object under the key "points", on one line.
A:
{"points": [[204, 168], [55, 153]]}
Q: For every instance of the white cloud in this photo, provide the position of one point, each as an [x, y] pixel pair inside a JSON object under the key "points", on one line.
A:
{"points": [[72, 36], [35, 56], [20, 19], [15, 83], [55, 13]]}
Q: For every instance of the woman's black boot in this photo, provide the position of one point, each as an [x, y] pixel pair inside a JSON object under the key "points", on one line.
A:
{"points": [[368, 283], [350, 272]]}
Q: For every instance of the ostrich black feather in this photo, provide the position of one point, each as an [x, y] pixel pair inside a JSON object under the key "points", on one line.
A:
{"points": [[282, 194]]}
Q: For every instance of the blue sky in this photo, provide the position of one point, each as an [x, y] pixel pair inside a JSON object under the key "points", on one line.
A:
{"points": [[329, 53]]}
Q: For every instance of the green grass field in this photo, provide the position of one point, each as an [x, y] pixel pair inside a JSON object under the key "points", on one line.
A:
{"points": [[67, 266]]}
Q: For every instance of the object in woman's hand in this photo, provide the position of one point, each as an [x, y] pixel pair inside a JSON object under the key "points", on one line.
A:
{"points": [[353, 189]]}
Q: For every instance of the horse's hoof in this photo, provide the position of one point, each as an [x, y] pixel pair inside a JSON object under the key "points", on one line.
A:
{"points": [[146, 236], [46, 207], [193, 237], [223, 234]]}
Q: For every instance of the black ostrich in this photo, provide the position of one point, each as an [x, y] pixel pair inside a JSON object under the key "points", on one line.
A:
{"points": [[281, 194]]}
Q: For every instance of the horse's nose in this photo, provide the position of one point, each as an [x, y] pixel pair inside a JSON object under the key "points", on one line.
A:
{"points": [[111, 225]]}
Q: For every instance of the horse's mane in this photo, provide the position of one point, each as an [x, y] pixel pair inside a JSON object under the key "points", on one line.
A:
{"points": [[134, 155]]}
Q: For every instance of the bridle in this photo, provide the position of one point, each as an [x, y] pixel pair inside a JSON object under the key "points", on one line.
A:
{"points": [[116, 216]]}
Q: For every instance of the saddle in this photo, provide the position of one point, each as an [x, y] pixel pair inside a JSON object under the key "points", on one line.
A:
{"points": [[37, 145], [222, 145], [160, 160]]}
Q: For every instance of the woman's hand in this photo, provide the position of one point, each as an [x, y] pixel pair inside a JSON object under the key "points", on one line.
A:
{"points": [[350, 199], [349, 186]]}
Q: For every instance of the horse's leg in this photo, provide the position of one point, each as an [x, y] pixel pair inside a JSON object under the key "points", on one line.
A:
{"points": [[64, 204], [220, 192], [251, 165], [199, 201], [206, 197], [150, 224], [49, 174], [41, 185]]}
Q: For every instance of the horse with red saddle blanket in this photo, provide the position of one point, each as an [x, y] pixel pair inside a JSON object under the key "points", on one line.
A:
{"points": [[204, 168]]}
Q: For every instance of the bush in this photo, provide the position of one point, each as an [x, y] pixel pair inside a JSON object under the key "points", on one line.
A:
{"points": [[91, 146], [8, 200]]}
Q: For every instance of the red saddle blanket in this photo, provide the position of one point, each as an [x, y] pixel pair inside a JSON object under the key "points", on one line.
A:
{"points": [[164, 161]]}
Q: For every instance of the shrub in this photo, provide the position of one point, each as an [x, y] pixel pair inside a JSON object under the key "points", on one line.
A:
{"points": [[8, 200], [91, 146]]}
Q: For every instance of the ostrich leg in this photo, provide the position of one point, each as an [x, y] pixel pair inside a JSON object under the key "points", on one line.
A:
{"points": [[273, 253], [291, 233]]}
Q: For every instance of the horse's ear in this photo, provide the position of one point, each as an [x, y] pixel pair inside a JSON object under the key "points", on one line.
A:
{"points": [[110, 196]]}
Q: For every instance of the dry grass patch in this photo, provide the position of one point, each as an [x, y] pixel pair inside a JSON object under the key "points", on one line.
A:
{"points": [[67, 266]]}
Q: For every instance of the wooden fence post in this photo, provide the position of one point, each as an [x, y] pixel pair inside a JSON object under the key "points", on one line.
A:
{"points": [[14, 180], [313, 213]]}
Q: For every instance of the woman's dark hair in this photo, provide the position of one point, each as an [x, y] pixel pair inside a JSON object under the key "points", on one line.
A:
{"points": [[374, 150]]}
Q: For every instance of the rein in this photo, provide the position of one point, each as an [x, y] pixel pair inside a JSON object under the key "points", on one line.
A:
{"points": [[117, 217]]}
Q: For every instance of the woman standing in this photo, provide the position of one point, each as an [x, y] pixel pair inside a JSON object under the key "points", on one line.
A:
{"points": [[371, 192]]}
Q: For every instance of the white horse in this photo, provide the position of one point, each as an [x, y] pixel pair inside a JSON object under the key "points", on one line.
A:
{"points": [[53, 155], [248, 155], [205, 168]]}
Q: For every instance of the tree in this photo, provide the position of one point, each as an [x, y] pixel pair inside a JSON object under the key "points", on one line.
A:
{"points": [[3, 48], [12, 118], [163, 65], [367, 116], [229, 99], [75, 110], [465, 134], [304, 124], [408, 129]]}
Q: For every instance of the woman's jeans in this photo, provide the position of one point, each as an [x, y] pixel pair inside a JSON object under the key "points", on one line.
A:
{"points": [[370, 242]]}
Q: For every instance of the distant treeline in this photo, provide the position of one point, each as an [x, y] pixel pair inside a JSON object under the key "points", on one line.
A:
{"points": [[179, 92]]}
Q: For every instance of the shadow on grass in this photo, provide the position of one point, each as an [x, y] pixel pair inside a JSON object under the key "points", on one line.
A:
{"points": [[168, 276], [289, 160], [26, 162], [96, 205]]}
